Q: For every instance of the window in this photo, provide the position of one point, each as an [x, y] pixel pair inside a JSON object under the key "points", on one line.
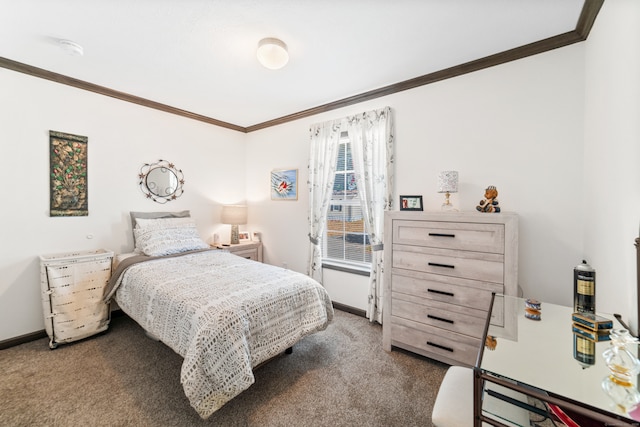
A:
{"points": [[346, 241]]}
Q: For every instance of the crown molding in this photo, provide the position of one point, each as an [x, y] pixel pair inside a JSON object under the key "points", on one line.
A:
{"points": [[91, 87]]}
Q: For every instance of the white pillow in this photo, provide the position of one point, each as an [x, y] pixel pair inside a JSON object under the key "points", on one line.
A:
{"points": [[166, 237], [135, 216], [162, 222], [156, 223]]}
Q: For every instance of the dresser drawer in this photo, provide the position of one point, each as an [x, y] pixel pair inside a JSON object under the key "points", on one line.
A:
{"points": [[450, 235], [452, 290], [464, 320], [469, 265], [429, 340]]}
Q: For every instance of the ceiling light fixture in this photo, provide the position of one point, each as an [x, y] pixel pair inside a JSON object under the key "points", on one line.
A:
{"points": [[272, 53], [72, 48]]}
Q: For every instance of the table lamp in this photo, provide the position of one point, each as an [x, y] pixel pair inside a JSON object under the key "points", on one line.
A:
{"points": [[448, 183], [234, 215]]}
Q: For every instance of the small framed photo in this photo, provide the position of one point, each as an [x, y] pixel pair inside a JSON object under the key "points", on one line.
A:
{"points": [[244, 236], [411, 203]]}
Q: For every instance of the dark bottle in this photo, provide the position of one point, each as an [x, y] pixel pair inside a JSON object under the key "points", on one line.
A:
{"points": [[584, 288], [584, 351]]}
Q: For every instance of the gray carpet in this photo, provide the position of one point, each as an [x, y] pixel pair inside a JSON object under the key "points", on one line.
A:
{"points": [[338, 377]]}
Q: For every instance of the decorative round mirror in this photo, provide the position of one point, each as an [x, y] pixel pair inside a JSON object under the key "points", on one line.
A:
{"points": [[161, 181]]}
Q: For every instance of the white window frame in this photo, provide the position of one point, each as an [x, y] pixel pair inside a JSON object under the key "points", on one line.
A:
{"points": [[359, 267]]}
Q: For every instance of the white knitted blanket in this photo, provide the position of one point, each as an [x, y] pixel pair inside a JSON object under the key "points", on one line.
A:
{"points": [[222, 313]]}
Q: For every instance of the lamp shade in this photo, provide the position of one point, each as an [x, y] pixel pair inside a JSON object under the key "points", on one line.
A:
{"points": [[272, 53], [234, 214], [448, 182]]}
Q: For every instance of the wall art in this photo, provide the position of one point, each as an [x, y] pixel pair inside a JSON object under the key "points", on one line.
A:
{"points": [[68, 174], [284, 184]]}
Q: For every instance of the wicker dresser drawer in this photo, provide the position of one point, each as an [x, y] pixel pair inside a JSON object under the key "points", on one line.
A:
{"points": [[470, 265], [435, 342], [465, 320], [450, 235]]}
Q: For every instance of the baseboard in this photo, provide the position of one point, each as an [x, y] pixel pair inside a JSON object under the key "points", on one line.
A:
{"points": [[349, 309], [11, 342]]}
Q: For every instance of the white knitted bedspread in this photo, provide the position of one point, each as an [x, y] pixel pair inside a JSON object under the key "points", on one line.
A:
{"points": [[222, 313]]}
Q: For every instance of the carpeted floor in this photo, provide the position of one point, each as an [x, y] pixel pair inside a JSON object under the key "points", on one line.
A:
{"points": [[338, 377]]}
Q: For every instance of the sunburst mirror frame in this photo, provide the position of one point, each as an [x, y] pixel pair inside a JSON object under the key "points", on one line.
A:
{"points": [[161, 181]]}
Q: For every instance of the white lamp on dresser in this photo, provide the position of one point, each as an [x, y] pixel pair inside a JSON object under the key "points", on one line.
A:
{"points": [[448, 183]]}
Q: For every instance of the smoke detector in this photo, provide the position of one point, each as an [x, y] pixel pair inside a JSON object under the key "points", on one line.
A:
{"points": [[72, 48]]}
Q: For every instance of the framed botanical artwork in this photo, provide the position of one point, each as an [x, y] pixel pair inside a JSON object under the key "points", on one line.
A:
{"points": [[284, 184], [67, 174], [244, 236], [411, 203]]}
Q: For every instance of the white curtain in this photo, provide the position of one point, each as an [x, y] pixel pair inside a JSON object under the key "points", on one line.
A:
{"points": [[325, 140], [371, 137]]}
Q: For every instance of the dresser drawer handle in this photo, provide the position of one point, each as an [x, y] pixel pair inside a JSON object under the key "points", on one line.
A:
{"points": [[435, 264], [435, 291], [439, 346], [441, 235], [440, 319]]}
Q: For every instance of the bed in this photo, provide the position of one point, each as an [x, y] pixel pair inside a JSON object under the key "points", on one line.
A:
{"points": [[223, 314]]}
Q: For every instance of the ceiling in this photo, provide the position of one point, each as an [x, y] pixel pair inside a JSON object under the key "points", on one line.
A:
{"points": [[198, 56]]}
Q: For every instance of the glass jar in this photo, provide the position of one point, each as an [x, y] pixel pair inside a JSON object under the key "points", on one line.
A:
{"points": [[621, 359]]}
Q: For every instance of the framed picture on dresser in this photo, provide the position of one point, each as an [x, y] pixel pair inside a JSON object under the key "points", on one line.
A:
{"points": [[411, 203]]}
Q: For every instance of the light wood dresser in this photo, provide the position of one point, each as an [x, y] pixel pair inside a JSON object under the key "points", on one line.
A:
{"points": [[439, 273]]}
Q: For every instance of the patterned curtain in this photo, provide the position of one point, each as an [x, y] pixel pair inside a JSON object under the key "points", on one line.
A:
{"points": [[371, 137], [325, 139]]}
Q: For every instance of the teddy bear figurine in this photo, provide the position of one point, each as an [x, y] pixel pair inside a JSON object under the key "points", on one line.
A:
{"points": [[490, 201]]}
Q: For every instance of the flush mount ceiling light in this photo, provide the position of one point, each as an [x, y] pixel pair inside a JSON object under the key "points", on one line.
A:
{"points": [[72, 48], [272, 53]]}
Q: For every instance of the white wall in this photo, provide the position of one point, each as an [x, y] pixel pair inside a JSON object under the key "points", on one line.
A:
{"points": [[612, 152], [556, 133], [122, 137], [518, 126]]}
